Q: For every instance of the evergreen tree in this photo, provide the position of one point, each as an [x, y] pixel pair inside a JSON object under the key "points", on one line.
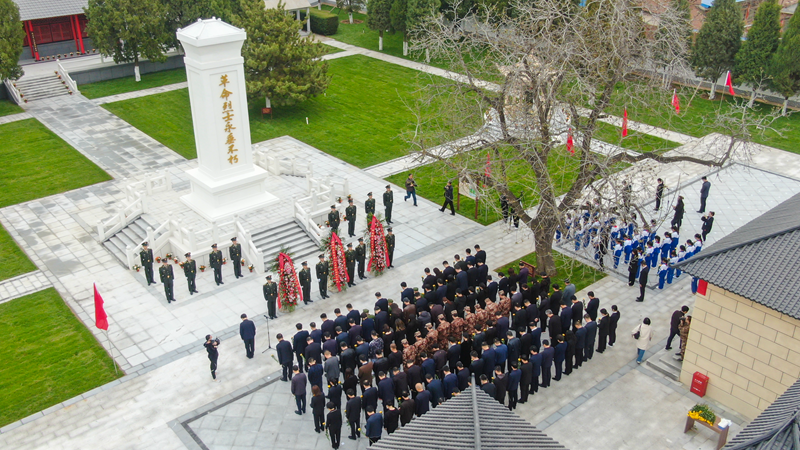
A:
{"points": [[350, 7], [181, 13], [379, 18], [397, 15], [417, 11], [279, 64], [11, 39], [129, 29], [785, 65], [753, 59], [717, 42]]}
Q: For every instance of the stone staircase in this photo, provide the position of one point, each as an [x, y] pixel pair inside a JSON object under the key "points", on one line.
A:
{"points": [[37, 88], [132, 235], [666, 363], [287, 234]]}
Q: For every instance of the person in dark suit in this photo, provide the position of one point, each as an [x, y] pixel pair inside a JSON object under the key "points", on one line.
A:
{"points": [[559, 357], [369, 398], [215, 261], [577, 312], [580, 343], [448, 198], [612, 325], [602, 326], [167, 277], [659, 194], [353, 414], [566, 315], [503, 283], [463, 375], [674, 324], [299, 342], [247, 331], [514, 349], [708, 222], [593, 305], [298, 389], [488, 357], [704, 190], [436, 388], [633, 267], [500, 385], [312, 350], [677, 218], [591, 336], [491, 288], [536, 359], [146, 258], [284, 351], [480, 255], [407, 409], [423, 400], [526, 377], [514, 379], [385, 389], [213, 354], [548, 354], [644, 271], [488, 387], [462, 280], [333, 424], [554, 324]]}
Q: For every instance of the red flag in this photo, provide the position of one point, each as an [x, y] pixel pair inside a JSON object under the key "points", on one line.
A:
{"points": [[570, 142], [100, 317], [625, 123], [488, 171], [676, 102], [729, 83], [702, 286]]}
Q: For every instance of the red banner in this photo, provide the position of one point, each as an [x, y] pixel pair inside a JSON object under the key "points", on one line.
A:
{"points": [[625, 123], [100, 317], [676, 103], [570, 143]]}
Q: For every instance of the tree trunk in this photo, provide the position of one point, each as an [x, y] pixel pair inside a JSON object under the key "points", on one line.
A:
{"points": [[785, 104], [713, 94], [380, 41], [405, 45], [350, 15], [544, 253], [427, 56], [752, 98], [136, 74]]}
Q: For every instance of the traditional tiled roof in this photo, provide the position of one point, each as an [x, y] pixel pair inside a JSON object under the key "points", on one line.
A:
{"points": [[777, 428], [760, 261], [43, 9], [471, 421]]}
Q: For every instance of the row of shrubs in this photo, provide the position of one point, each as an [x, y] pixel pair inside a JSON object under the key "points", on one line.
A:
{"points": [[322, 22]]}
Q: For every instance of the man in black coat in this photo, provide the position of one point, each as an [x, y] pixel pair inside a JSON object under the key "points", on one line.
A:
{"points": [[708, 222], [284, 351], [704, 189], [353, 414], [312, 350], [554, 324], [299, 342], [247, 331], [674, 323], [592, 306], [407, 409], [580, 343], [514, 349], [612, 325], [644, 271], [334, 425], [603, 325], [526, 378], [577, 312], [488, 387], [536, 363], [677, 219], [548, 355], [591, 336]]}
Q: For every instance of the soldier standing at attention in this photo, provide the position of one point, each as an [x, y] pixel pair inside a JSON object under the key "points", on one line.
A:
{"points": [[215, 261], [350, 261], [361, 257], [166, 274], [271, 296], [448, 198], [390, 245], [388, 199], [350, 217], [146, 257], [333, 220], [322, 275], [305, 282], [190, 270], [369, 205], [236, 257]]}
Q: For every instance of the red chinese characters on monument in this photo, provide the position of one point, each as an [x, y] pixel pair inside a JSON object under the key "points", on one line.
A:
{"points": [[227, 116]]}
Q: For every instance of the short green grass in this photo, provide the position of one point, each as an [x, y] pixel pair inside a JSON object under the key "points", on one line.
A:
{"points": [[636, 141], [35, 163], [8, 107], [49, 356], [578, 273], [357, 120], [13, 260], [129, 84]]}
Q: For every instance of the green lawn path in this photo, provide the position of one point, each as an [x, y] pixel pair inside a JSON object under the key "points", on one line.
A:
{"points": [[8, 107], [358, 120], [49, 356], [13, 260]]}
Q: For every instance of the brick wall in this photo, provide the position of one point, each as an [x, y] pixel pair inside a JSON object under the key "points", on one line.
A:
{"points": [[750, 353]]}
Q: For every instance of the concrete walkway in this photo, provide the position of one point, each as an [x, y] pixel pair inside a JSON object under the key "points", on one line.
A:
{"points": [[140, 93], [23, 285], [14, 117]]}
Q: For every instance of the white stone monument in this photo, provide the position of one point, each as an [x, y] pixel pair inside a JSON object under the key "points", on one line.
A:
{"points": [[226, 182]]}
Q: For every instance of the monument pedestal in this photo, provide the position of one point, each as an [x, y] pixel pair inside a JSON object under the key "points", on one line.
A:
{"points": [[218, 199]]}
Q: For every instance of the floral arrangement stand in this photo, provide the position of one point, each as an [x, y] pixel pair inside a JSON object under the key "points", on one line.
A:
{"points": [[378, 253], [336, 261], [289, 290], [701, 414]]}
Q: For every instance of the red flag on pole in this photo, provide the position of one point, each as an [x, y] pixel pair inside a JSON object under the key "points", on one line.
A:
{"points": [[702, 287], [625, 123], [488, 171], [676, 103], [100, 317], [729, 83], [570, 143]]}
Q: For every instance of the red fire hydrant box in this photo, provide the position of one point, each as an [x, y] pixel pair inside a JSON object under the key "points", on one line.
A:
{"points": [[699, 384]]}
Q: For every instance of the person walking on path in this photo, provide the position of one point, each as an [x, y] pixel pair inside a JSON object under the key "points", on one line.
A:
{"points": [[298, 388], [448, 198], [686, 323], [247, 331], [659, 194], [704, 194], [612, 325], [708, 222], [674, 324], [643, 334], [213, 354], [679, 208], [411, 188]]}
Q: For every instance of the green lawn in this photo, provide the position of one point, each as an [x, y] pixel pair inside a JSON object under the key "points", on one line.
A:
{"points": [[49, 356], [13, 261], [636, 141], [35, 163], [129, 84], [8, 107], [358, 120], [360, 35], [579, 274]]}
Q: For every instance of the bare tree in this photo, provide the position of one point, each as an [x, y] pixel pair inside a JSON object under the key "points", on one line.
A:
{"points": [[535, 77]]}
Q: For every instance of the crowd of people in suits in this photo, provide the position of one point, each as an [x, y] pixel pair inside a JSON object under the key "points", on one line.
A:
{"points": [[512, 335]]}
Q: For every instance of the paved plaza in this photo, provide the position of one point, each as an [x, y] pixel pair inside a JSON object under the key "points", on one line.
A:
{"points": [[167, 400]]}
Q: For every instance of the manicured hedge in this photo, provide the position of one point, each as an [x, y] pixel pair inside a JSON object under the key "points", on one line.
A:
{"points": [[322, 22]]}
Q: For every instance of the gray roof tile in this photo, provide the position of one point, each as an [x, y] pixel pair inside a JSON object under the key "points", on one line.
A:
{"points": [[777, 428], [42, 9]]}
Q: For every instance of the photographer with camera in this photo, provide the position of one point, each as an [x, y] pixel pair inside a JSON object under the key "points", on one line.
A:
{"points": [[213, 354]]}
